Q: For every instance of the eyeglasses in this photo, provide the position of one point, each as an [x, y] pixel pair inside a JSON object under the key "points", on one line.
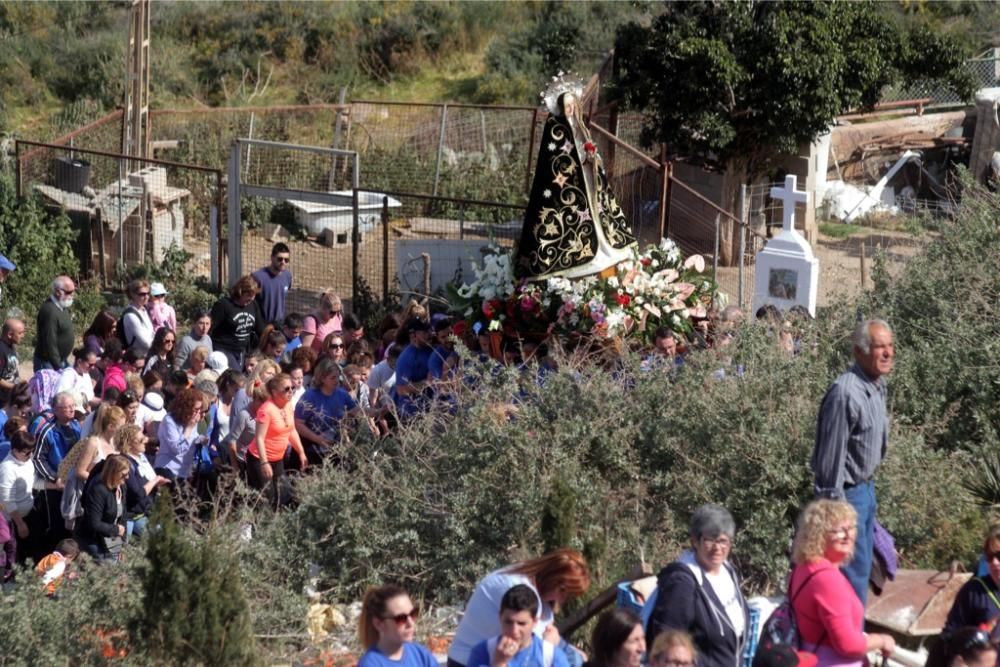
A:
{"points": [[980, 639], [142, 293], [289, 389], [169, 341], [843, 532], [283, 260], [721, 542], [337, 346], [991, 556], [67, 291], [402, 618]]}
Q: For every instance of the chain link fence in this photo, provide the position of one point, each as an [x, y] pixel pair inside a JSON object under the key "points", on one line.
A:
{"points": [[129, 211], [984, 69]]}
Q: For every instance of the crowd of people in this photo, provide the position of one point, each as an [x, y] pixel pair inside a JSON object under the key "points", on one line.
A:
{"points": [[112, 415]]}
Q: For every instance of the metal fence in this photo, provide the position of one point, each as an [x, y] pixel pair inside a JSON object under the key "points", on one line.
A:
{"points": [[128, 210], [985, 70], [103, 134], [446, 150]]}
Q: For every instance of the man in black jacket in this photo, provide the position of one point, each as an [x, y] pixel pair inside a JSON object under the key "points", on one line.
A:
{"points": [[54, 331]]}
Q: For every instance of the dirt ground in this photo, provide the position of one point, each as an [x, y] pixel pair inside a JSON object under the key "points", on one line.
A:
{"points": [[840, 273]]}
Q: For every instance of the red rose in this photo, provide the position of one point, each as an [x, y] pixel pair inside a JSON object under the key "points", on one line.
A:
{"points": [[645, 261], [590, 147], [623, 299]]}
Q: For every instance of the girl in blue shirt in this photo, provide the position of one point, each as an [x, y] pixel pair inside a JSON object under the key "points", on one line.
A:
{"points": [[387, 626]]}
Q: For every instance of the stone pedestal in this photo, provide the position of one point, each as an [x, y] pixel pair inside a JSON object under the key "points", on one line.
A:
{"points": [[787, 271]]}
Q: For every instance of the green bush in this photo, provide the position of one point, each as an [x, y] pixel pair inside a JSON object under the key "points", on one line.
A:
{"points": [[195, 611]]}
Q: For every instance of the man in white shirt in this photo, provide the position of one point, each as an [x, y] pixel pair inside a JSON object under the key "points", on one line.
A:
{"points": [[77, 380]]}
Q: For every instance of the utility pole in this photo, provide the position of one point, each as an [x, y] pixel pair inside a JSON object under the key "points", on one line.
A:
{"points": [[135, 123]]}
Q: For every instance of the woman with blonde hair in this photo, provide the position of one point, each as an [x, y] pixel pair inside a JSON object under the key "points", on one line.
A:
{"points": [[386, 629], [101, 530], [673, 648], [142, 481], [89, 453], [326, 319], [243, 430], [555, 577], [829, 614]]}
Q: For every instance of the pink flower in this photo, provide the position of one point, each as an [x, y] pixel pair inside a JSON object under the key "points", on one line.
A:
{"points": [[697, 262]]}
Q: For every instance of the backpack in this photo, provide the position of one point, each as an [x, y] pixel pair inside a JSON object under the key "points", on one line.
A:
{"points": [[781, 628], [548, 650], [120, 330]]}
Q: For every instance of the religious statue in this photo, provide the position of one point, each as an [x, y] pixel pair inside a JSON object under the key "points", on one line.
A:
{"points": [[573, 225]]}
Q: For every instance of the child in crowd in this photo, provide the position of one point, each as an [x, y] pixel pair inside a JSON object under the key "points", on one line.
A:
{"points": [[55, 567], [517, 645]]}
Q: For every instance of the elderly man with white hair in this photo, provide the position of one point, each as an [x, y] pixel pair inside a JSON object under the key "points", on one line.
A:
{"points": [[852, 436], [54, 335]]}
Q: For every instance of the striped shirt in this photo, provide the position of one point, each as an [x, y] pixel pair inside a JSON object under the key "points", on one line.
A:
{"points": [[852, 433]]}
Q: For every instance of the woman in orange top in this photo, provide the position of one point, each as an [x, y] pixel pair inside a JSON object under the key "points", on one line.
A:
{"points": [[275, 430]]}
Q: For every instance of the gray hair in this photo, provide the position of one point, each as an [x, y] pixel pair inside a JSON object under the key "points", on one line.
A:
{"points": [[862, 337], [60, 282], [711, 521], [207, 387], [61, 396]]}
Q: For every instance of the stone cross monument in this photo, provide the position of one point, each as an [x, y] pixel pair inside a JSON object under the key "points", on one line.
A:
{"points": [[787, 272]]}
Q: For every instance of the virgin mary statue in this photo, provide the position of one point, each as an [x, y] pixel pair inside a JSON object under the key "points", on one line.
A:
{"points": [[573, 225]]}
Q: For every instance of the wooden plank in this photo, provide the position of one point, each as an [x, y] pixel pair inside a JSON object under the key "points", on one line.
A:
{"points": [[602, 600]]}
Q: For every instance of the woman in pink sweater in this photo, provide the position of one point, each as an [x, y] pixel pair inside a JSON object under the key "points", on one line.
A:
{"points": [[829, 614]]}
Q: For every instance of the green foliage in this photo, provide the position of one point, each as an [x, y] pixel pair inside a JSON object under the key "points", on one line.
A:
{"points": [[187, 294], [195, 611], [90, 610], [41, 245], [739, 80]]}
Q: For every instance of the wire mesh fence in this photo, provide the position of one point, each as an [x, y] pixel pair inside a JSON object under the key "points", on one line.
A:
{"points": [[204, 136], [985, 71], [103, 134], [128, 211], [421, 242], [448, 150]]}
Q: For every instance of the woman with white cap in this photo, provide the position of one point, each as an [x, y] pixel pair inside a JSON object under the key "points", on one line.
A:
{"points": [[161, 313]]}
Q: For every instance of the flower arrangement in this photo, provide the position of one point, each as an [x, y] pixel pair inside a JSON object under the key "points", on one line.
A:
{"points": [[656, 288]]}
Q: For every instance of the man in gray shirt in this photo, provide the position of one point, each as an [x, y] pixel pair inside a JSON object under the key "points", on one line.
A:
{"points": [[852, 434]]}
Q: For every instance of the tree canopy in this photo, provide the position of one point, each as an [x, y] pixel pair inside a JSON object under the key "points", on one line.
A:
{"points": [[726, 80]]}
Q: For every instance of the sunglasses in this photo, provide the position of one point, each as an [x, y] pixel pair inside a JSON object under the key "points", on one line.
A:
{"points": [[337, 346], [289, 389], [991, 556], [402, 618], [67, 291], [143, 293], [282, 260], [979, 640]]}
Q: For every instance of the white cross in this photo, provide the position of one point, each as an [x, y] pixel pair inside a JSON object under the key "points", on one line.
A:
{"points": [[789, 197]]}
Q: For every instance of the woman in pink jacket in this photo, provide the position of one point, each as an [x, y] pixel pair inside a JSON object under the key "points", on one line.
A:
{"points": [[829, 614]]}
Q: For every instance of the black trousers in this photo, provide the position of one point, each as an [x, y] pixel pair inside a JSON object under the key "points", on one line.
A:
{"points": [[257, 481]]}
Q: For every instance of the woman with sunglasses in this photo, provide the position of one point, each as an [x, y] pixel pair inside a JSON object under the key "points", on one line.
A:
{"points": [[978, 601], [161, 352], [386, 629], [334, 348], [101, 530], [829, 614], [275, 430], [326, 319], [137, 327]]}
